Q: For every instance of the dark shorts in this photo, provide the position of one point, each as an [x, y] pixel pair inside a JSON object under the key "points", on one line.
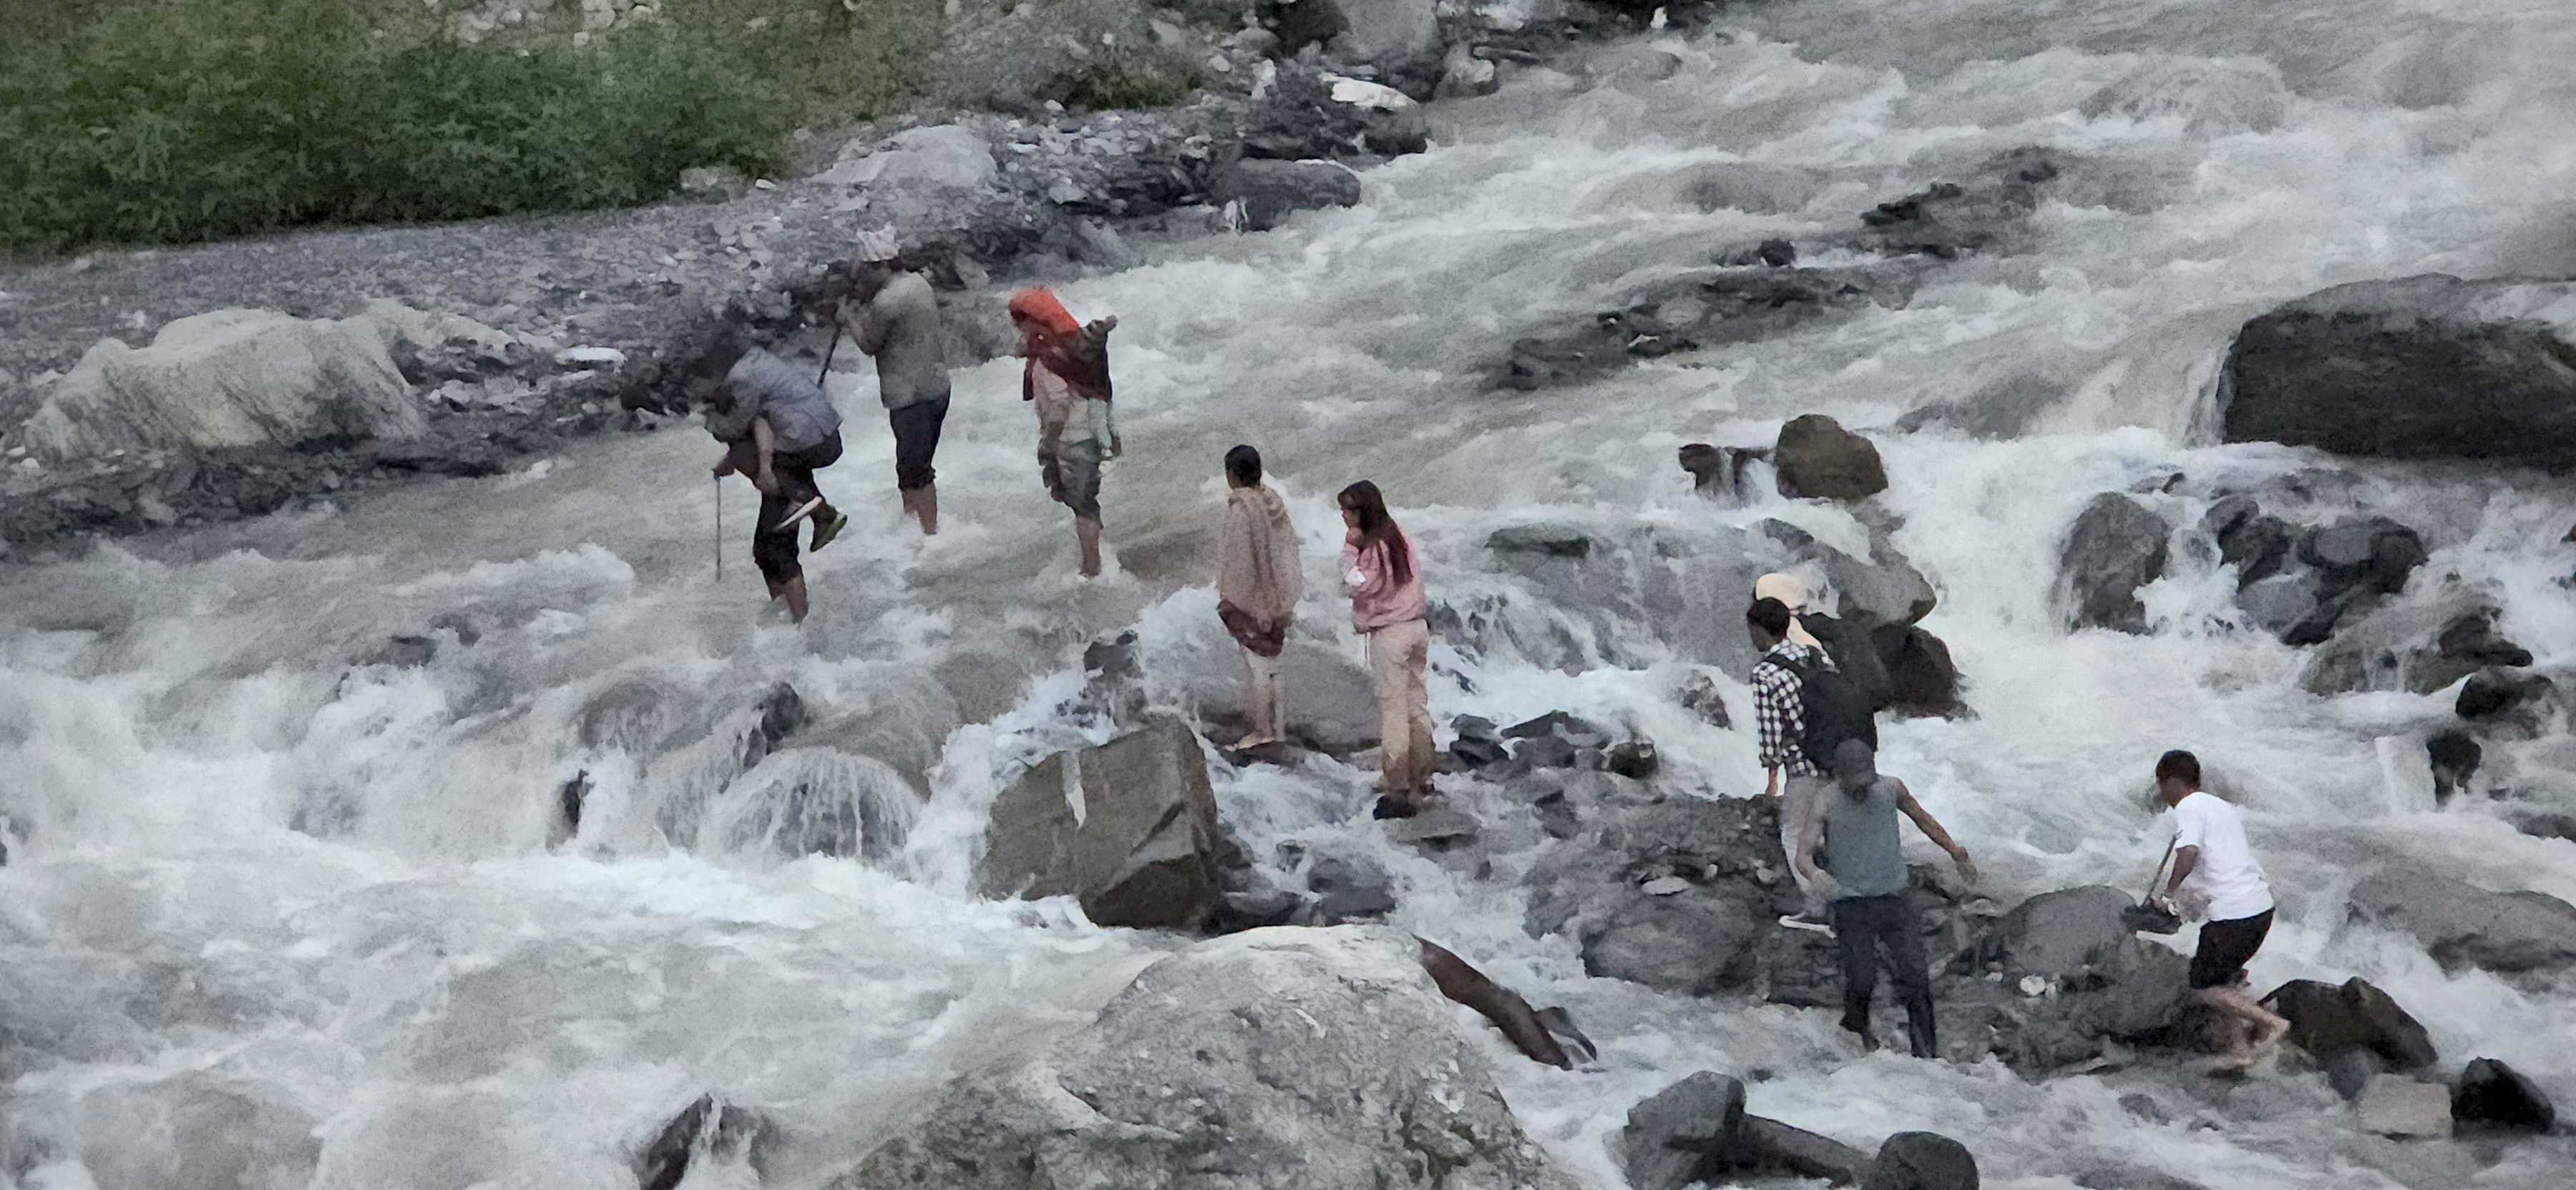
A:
{"points": [[773, 549], [1072, 474], [916, 439], [2225, 946]]}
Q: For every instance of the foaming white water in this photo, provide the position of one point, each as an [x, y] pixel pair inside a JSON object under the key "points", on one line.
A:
{"points": [[281, 910]]}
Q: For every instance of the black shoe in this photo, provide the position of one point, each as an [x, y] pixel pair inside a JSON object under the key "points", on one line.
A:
{"points": [[827, 525], [1391, 806]]}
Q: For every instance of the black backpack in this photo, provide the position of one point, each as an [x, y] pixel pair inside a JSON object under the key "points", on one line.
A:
{"points": [[1837, 708], [1856, 654]]}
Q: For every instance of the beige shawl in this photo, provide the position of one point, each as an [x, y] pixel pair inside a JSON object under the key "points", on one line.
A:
{"points": [[1791, 590], [1257, 568]]}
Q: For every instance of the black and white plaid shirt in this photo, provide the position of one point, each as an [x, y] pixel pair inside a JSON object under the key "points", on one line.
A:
{"points": [[1781, 711]]}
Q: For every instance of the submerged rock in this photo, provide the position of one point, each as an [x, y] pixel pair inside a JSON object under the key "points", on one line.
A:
{"points": [[1921, 1161], [1279, 1059], [2423, 367], [2463, 925], [2116, 547], [1145, 852], [1684, 1133], [1270, 191], [708, 1129], [2454, 757]]}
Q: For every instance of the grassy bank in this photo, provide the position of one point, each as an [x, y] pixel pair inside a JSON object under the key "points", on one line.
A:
{"points": [[167, 121]]}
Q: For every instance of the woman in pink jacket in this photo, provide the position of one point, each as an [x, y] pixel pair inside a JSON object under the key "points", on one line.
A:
{"points": [[1378, 566]]}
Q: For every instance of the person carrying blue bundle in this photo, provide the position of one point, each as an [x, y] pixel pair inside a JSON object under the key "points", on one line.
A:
{"points": [[779, 428]]}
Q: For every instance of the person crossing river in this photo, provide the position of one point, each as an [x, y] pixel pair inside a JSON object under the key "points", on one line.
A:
{"points": [[778, 428]]}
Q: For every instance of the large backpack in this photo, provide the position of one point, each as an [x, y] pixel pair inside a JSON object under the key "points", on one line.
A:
{"points": [[1837, 708], [1856, 654]]}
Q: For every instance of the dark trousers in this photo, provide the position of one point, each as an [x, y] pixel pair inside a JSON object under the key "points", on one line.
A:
{"points": [[1865, 926], [773, 549], [916, 439]]}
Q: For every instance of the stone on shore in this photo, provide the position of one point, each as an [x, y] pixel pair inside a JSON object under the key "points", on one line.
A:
{"points": [[1146, 850]]}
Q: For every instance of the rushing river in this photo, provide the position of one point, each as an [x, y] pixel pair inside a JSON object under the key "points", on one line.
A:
{"points": [[275, 918]]}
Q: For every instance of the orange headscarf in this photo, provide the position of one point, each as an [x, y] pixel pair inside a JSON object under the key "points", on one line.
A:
{"points": [[1056, 342], [1041, 306]]}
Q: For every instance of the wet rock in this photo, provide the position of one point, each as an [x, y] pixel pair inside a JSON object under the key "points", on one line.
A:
{"points": [[708, 1129], [2376, 553], [2116, 547], [2398, 1106], [2060, 933], [1692, 944], [1634, 759], [2454, 757], [1921, 1161], [2462, 925], [2548, 826], [1560, 725], [2280, 603], [2493, 692], [1231, 1059], [1478, 745], [1558, 541], [1544, 752], [2101, 983], [1817, 458], [2144, 1107], [2423, 367], [1921, 678], [1348, 888], [1145, 852], [2328, 1021], [565, 822], [1769, 1146], [404, 652], [2493, 1097], [1269, 191], [1951, 219], [782, 713], [2257, 545], [1434, 830], [2350, 1072], [1721, 472], [1684, 1133], [2472, 638], [2132, 1177], [1699, 695], [1463, 74], [1387, 33], [1329, 704], [2391, 646], [229, 379]]}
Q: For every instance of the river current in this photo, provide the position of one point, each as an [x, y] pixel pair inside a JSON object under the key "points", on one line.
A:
{"points": [[274, 917]]}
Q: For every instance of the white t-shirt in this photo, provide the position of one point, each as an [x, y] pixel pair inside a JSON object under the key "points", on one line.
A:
{"points": [[2226, 876]]}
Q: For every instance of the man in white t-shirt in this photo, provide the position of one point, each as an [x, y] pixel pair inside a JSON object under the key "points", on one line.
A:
{"points": [[2214, 871]]}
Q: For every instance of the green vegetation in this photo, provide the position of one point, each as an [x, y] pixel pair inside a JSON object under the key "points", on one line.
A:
{"points": [[1129, 76], [158, 121]]}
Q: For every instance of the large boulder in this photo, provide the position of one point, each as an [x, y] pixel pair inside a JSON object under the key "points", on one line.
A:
{"points": [[2375, 552], [1143, 849], [1921, 1161], [2329, 1021], [1684, 1133], [230, 378], [2424, 367], [2056, 934], [2462, 925], [2493, 1097], [1816, 458], [1290, 1058], [944, 156], [2099, 982], [1269, 191], [2117, 546], [2395, 1105], [1919, 670]]}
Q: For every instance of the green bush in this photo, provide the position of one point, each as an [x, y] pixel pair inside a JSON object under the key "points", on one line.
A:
{"points": [[156, 121], [1129, 76]]}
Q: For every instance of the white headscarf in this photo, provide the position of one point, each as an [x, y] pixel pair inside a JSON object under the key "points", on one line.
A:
{"points": [[1791, 590]]}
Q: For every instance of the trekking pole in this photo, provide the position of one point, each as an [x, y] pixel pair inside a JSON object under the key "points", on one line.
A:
{"points": [[719, 528], [835, 345]]}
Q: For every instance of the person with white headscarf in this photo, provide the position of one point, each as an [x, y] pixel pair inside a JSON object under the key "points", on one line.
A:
{"points": [[896, 320], [1793, 593]]}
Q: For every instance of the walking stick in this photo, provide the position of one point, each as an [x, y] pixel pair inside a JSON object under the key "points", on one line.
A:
{"points": [[827, 351], [719, 528]]}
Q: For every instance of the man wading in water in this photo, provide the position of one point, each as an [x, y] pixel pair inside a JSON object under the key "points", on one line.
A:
{"points": [[1258, 583], [1863, 879], [1067, 378], [2216, 878], [897, 322], [778, 428]]}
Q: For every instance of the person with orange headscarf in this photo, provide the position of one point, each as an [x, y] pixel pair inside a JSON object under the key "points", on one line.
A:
{"points": [[1066, 376]]}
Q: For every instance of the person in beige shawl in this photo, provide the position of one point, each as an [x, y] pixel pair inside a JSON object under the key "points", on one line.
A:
{"points": [[1258, 582]]}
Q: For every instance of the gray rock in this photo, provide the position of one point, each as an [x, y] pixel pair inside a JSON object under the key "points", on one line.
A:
{"points": [[2395, 1105], [1684, 1133], [2376, 553], [2490, 692], [709, 1128], [2144, 1107], [2279, 603], [1348, 888], [2328, 1021], [1634, 759], [2493, 1097], [1699, 695], [2257, 548], [2463, 925], [1146, 851], [1692, 944], [946, 156], [1277, 1059], [1921, 1161], [1563, 541], [1769, 1146], [2548, 826], [1270, 191], [2116, 547], [2132, 1177], [1920, 674], [2454, 758], [2424, 367], [2350, 1072], [2062, 933], [1816, 458], [1387, 33], [2472, 638]]}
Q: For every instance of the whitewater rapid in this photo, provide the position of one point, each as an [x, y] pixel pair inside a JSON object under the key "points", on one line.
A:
{"points": [[277, 918]]}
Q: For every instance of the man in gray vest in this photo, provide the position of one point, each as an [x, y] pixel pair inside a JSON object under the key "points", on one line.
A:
{"points": [[896, 319], [1863, 880]]}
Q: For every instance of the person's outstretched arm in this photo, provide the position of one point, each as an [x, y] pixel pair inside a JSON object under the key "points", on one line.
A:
{"points": [[1811, 835], [1931, 828], [764, 443]]}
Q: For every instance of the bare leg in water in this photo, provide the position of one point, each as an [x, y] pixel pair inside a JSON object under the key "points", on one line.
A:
{"points": [[793, 591], [1086, 533], [2251, 1028]]}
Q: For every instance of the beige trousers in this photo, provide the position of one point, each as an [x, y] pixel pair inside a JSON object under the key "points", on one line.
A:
{"points": [[1262, 707], [1399, 657], [1797, 800]]}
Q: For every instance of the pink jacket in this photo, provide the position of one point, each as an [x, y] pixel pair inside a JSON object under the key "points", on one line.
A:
{"points": [[1377, 600]]}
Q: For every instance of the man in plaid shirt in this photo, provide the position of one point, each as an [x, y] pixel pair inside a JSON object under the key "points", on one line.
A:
{"points": [[1780, 716]]}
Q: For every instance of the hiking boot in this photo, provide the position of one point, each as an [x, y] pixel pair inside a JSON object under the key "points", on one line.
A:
{"points": [[802, 511], [827, 526], [1391, 806], [1810, 922]]}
